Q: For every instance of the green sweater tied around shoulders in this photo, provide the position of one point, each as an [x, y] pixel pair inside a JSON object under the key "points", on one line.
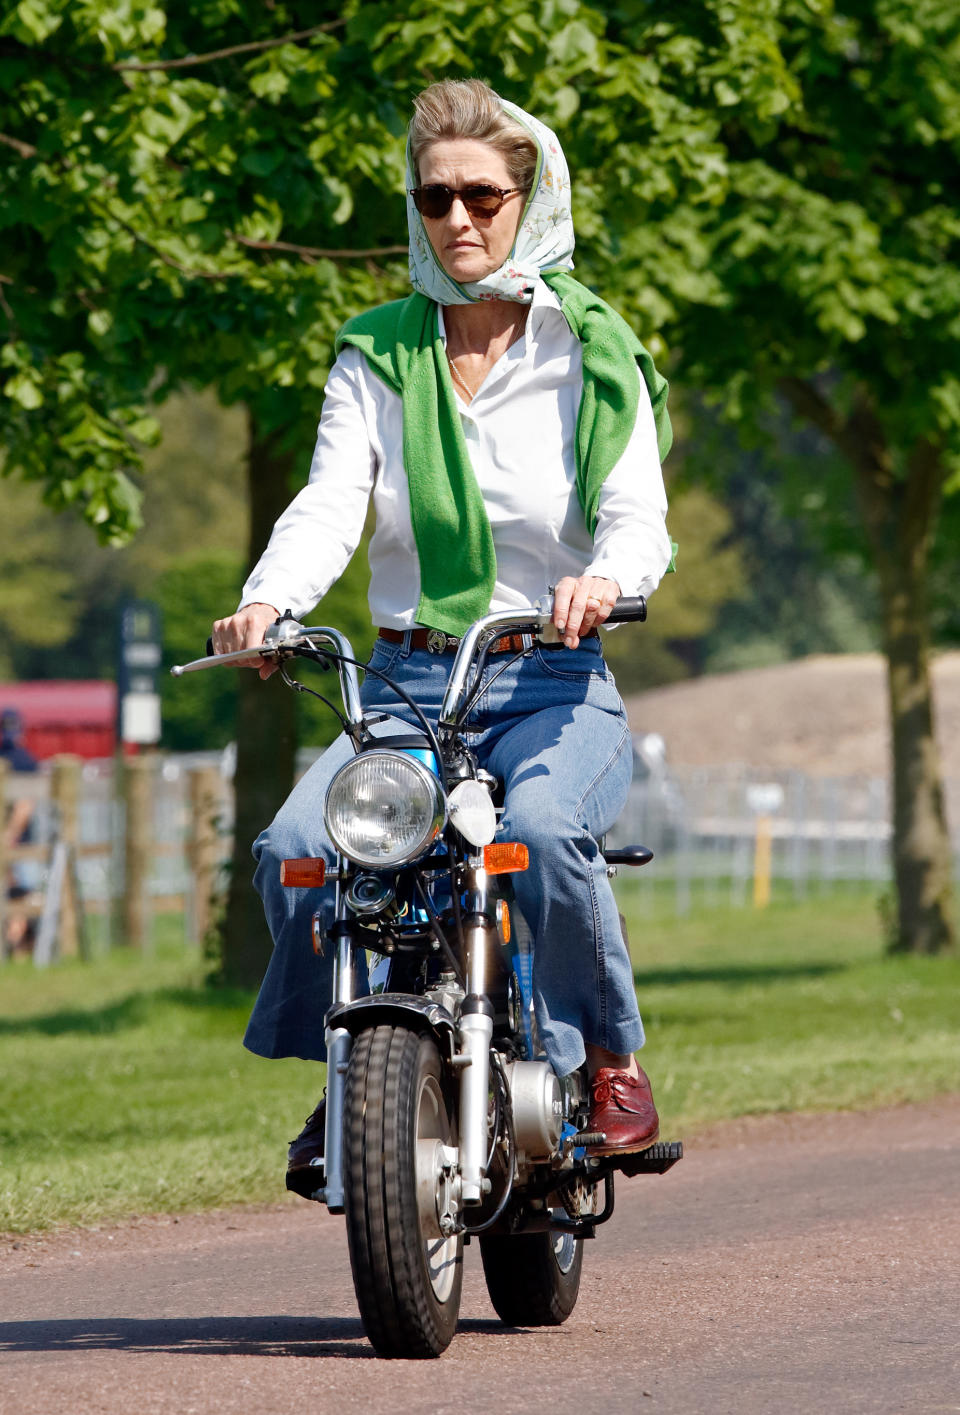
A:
{"points": [[401, 343]]}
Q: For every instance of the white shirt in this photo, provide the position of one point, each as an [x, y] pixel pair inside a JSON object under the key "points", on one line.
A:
{"points": [[520, 432]]}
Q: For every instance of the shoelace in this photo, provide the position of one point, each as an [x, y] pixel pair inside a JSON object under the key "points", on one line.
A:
{"points": [[615, 1088]]}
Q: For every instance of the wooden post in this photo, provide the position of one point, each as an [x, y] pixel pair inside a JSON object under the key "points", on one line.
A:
{"points": [[65, 794], [204, 809], [137, 776], [762, 862]]}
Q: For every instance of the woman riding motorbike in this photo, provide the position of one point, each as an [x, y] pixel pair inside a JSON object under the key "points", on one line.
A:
{"points": [[510, 428]]}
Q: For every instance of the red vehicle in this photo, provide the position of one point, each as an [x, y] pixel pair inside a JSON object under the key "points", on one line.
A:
{"points": [[65, 716]]}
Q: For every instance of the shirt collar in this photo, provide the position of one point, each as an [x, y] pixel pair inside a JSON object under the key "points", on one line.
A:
{"points": [[544, 306]]}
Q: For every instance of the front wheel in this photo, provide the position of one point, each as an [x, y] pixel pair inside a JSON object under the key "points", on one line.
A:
{"points": [[399, 1160], [533, 1279]]}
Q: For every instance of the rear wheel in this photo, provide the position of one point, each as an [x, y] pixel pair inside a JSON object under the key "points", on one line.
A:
{"points": [[400, 1160], [534, 1278]]}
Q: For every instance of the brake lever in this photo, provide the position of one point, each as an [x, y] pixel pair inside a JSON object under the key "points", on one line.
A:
{"points": [[283, 636], [217, 660]]}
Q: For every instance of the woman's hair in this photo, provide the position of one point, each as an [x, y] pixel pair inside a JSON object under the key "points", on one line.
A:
{"points": [[469, 108]]}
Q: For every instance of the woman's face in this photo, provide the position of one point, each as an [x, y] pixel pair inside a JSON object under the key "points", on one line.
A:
{"points": [[470, 247]]}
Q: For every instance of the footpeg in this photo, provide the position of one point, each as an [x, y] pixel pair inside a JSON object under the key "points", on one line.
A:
{"points": [[588, 1137], [656, 1159]]}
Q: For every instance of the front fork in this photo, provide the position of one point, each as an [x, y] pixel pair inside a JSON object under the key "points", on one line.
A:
{"points": [[338, 1054], [475, 1034]]}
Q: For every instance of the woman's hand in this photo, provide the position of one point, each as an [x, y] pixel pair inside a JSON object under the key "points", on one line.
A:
{"points": [[245, 630], [579, 605]]}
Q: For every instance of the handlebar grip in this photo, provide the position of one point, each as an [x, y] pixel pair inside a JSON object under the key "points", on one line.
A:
{"points": [[629, 609]]}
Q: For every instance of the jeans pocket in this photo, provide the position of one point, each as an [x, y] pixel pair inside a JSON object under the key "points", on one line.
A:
{"points": [[581, 664], [382, 660]]}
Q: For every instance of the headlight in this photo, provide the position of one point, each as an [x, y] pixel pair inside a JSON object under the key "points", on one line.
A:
{"points": [[384, 808]]}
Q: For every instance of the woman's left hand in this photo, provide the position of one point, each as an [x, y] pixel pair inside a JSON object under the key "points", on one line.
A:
{"points": [[580, 605]]}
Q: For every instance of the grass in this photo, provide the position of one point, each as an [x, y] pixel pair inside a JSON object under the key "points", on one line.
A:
{"points": [[790, 1008], [124, 1088]]}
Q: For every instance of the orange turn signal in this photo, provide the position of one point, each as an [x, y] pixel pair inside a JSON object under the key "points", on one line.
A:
{"points": [[506, 858], [503, 919], [303, 874]]}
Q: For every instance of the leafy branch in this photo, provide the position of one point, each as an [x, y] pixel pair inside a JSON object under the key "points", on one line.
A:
{"points": [[254, 47], [312, 253], [25, 149]]}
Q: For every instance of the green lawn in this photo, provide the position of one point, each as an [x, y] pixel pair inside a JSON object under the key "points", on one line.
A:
{"points": [[790, 1008], [124, 1087]]}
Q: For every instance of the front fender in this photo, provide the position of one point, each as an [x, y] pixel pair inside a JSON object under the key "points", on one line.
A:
{"points": [[395, 1008]]}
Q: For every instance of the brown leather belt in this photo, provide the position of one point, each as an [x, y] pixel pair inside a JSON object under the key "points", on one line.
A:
{"points": [[436, 641]]}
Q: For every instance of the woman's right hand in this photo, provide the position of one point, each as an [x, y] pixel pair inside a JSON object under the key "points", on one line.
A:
{"points": [[245, 630]]}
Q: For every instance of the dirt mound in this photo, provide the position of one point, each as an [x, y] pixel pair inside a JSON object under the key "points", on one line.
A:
{"points": [[826, 715]]}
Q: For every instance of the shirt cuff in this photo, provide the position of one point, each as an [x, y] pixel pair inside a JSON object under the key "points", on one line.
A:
{"points": [[282, 596], [605, 569]]}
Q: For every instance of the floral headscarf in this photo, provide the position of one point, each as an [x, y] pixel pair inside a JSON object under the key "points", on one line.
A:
{"points": [[544, 239]]}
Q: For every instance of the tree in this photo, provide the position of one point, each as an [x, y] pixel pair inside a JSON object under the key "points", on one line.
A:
{"points": [[767, 191], [156, 192], [833, 253]]}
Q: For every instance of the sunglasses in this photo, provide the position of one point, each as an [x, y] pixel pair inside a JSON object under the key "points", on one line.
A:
{"points": [[480, 199]]}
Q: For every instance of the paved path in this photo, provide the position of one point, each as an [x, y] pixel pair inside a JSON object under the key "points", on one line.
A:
{"points": [[788, 1264]]}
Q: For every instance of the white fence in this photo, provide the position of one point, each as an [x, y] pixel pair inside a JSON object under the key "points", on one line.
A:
{"points": [[822, 834], [703, 824]]}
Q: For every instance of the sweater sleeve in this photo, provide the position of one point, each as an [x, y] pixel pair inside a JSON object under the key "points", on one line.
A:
{"points": [[630, 544], [313, 540]]}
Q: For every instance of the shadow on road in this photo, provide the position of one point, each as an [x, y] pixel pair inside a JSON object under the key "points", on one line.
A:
{"points": [[203, 1336], [194, 1336]]}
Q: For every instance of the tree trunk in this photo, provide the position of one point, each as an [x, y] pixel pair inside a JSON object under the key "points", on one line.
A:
{"points": [[900, 514], [921, 843], [900, 508], [266, 738]]}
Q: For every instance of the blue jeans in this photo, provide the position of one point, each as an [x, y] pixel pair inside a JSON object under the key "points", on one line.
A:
{"points": [[552, 728]]}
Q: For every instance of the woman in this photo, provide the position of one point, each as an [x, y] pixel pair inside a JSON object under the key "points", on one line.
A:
{"points": [[501, 418]]}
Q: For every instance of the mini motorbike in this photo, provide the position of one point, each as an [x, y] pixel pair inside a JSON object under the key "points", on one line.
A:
{"points": [[445, 1123]]}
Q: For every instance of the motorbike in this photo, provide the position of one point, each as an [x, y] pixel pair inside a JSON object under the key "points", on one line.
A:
{"points": [[445, 1123]]}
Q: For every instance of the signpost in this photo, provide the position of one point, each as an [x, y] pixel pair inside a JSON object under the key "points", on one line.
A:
{"points": [[138, 702]]}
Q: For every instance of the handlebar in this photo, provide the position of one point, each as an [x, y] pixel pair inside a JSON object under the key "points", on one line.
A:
{"points": [[629, 609], [538, 622], [287, 638]]}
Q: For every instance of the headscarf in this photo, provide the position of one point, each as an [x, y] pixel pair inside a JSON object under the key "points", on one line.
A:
{"points": [[544, 238]]}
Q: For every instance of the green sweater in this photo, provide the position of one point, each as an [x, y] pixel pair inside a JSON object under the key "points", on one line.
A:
{"points": [[401, 343]]}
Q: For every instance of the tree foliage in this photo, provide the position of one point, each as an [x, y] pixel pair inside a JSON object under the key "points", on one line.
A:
{"points": [[768, 191], [169, 218]]}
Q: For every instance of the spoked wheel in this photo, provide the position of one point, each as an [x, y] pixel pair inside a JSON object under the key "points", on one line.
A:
{"points": [[534, 1278], [399, 1163]]}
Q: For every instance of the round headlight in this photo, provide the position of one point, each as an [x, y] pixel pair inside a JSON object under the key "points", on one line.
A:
{"points": [[384, 808]]}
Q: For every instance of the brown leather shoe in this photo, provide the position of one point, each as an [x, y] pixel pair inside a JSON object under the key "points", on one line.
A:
{"points": [[305, 1155], [622, 1107]]}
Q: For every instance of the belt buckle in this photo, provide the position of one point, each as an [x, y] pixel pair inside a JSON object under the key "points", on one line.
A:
{"points": [[439, 642]]}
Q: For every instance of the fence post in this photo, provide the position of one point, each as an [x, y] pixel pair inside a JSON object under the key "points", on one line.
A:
{"points": [[65, 795], [137, 778], [203, 846]]}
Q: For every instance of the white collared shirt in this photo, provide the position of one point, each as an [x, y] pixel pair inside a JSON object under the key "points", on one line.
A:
{"points": [[520, 431]]}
